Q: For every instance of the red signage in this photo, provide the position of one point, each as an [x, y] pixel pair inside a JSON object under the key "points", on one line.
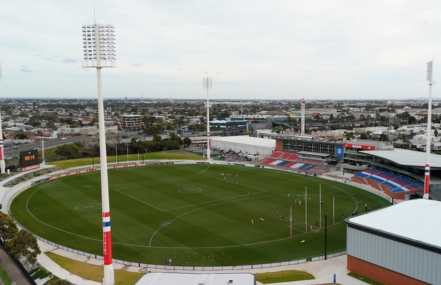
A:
{"points": [[367, 147], [26, 168]]}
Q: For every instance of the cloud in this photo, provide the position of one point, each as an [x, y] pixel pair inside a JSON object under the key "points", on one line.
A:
{"points": [[24, 68], [323, 50], [69, 60]]}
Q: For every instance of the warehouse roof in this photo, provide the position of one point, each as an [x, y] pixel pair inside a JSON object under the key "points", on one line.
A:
{"points": [[417, 220], [247, 140], [406, 157]]}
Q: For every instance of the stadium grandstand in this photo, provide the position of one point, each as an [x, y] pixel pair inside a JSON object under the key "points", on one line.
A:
{"points": [[398, 173], [401, 172]]}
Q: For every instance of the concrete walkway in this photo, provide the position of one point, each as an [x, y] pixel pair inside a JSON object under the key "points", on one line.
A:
{"points": [[13, 271], [323, 270]]}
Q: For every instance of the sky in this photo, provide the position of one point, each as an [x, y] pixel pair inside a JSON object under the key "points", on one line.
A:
{"points": [[252, 49]]}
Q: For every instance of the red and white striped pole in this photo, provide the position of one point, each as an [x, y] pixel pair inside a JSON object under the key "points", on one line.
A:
{"points": [[100, 40], [429, 127], [426, 180]]}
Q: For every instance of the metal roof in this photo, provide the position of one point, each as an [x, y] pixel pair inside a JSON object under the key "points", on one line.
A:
{"points": [[406, 157], [197, 278], [416, 220], [247, 140]]}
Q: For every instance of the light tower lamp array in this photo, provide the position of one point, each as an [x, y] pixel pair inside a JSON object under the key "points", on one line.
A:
{"points": [[99, 52]]}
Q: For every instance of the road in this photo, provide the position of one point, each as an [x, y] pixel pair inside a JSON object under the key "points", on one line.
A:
{"points": [[10, 151]]}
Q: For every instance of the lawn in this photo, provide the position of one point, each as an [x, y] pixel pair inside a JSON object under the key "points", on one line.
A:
{"points": [[93, 272], [194, 216], [160, 155], [283, 276]]}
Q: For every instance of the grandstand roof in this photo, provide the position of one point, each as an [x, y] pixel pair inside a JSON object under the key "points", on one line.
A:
{"points": [[247, 140], [416, 220], [406, 157]]}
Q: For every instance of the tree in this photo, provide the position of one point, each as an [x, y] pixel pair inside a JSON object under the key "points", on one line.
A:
{"points": [[331, 118], [21, 137], [411, 120], [93, 121], [187, 141], [69, 150], [384, 138], [8, 228], [279, 129], [350, 135], [24, 247]]}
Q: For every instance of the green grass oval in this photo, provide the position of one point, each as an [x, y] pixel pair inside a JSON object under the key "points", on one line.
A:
{"points": [[230, 220]]}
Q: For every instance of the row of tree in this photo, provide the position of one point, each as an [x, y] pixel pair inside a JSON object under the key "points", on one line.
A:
{"points": [[79, 150], [19, 243]]}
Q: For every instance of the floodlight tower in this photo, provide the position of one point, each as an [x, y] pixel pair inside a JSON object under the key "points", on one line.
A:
{"points": [[207, 83], [429, 127], [99, 52], [302, 115], [2, 154]]}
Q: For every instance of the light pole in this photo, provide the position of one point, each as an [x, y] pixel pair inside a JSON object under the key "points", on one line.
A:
{"points": [[429, 123], [42, 150], [207, 84], [99, 52]]}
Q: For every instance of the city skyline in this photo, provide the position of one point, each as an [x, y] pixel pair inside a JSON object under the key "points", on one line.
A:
{"points": [[252, 50]]}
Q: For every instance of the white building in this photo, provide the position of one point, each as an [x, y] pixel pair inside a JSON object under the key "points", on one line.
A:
{"points": [[197, 279], [244, 144], [399, 244]]}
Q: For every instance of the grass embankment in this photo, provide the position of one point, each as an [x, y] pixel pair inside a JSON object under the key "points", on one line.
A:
{"points": [[174, 154], [93, 272], [283, 276]]}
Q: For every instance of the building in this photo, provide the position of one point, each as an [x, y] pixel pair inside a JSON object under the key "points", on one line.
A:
{"points": [[244, 144], [398, 245], [199, 279], [131, 122]]}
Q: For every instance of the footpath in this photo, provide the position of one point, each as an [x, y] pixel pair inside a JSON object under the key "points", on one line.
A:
{"points": [[323, 270]]}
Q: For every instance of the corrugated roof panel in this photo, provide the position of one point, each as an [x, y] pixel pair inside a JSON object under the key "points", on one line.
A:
{"points": [[417, 220], [406, 157]]}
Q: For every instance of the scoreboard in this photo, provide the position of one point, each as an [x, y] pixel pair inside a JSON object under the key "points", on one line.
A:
{"points": [[28, 157]]}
